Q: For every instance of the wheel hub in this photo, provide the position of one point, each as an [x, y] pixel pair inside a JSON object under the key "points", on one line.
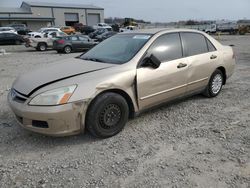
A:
{"points": [[216, 83], [67, 49], [110, 116], [42, 47]]}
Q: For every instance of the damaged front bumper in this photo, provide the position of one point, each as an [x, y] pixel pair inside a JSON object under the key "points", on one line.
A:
{"points": [[61, 120]]}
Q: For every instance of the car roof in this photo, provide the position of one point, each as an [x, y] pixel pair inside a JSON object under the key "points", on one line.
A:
{"points": [[6, 28], [44, 28], [157, 30]]}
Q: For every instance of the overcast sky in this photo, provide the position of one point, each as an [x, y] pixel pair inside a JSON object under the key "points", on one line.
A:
{"points": [[162, 10]]}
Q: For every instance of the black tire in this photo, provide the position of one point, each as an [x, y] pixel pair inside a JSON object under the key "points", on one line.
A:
{"points": [[67, 49], [42, 46], [215, 84], [107, 115]]}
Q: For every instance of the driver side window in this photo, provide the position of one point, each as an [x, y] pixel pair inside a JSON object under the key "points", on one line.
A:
{"points": [[167, 47]]}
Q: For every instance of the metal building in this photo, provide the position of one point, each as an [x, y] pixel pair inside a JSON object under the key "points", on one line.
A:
{"points": [[39, 14]]}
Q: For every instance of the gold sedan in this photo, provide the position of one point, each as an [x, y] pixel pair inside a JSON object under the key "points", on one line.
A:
{"points": [[119, 78]]}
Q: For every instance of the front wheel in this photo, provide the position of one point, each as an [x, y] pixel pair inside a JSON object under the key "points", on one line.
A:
{"points": [[215, 84], [107, 115], [42, 47]]}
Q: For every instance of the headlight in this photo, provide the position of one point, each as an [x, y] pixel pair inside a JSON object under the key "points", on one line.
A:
{"points": [[53, 97]]}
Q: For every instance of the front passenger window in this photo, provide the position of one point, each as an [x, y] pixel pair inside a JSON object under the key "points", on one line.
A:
{"points": [[167, 47]]}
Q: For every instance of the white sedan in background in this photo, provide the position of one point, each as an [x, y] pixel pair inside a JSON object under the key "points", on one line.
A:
{"points": [[103, 25], [40, 33], [7, 30]]}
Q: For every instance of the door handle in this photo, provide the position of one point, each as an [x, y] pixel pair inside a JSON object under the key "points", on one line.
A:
{"points": [[181, 65], [213, 56]]}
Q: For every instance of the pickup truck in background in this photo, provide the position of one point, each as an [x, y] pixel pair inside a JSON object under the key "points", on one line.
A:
{"points": [[229, 27], [42, 44]]}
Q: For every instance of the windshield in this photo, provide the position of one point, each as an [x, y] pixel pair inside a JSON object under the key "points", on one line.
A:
{"points": [[118, 49]]}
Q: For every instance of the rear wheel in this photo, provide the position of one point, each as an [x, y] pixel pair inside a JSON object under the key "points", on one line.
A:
{"points": [[107, 115], [67, 49], [215, 84], [42, 47]]}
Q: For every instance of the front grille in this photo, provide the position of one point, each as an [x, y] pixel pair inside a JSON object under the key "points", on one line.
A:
{"points": [[40, 124], [16, 96]]}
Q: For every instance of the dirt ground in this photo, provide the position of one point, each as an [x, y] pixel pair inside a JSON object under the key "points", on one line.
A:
{"points": [[195, 142]]}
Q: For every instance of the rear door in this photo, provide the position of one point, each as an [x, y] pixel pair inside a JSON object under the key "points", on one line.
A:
{"points": [[168, 81], [202, 58], [10, 38], [2, 38]]}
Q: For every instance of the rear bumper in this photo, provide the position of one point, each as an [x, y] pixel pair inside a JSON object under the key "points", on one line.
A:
{"points": [[62, 120]]}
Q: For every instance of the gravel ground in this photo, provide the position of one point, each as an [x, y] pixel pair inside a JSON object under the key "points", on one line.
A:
{"points": [[195, 142]]}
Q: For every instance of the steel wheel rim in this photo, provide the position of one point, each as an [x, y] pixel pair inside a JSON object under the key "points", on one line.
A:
{"points": [[110, 116], [216, 83]]}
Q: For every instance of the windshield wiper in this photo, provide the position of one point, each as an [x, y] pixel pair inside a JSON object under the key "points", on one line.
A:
{"points": [[93, 59]]}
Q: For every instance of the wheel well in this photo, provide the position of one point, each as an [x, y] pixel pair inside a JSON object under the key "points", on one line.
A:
{"points": [[42, 43], [223, 70], [125, 96], [68, 46]]}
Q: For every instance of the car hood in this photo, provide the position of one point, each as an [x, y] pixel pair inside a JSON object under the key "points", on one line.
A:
{"points": [[30, 82]]}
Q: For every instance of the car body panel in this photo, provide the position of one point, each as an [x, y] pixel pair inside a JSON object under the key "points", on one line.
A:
{"points": [[145, 86], [67, 70], [197, 77], [157, 85], [62, 120], [10, 38]]}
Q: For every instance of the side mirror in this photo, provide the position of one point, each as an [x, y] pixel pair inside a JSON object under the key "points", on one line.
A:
{"points": [[151, 61]]}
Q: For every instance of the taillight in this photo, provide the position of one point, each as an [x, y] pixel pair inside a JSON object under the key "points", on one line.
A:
{"points": [[61, 41]]}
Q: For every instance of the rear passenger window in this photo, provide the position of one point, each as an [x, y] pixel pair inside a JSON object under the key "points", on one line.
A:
{"points": [[167, 47], [210, 46], [194, 44]]}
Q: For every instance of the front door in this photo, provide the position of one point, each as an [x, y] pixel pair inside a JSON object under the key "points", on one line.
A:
{"points": [[168, 81], [85, 44], [76, 43]]}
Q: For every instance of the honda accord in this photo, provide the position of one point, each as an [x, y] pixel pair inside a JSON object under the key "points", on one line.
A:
{"points": [[119, 78]]}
